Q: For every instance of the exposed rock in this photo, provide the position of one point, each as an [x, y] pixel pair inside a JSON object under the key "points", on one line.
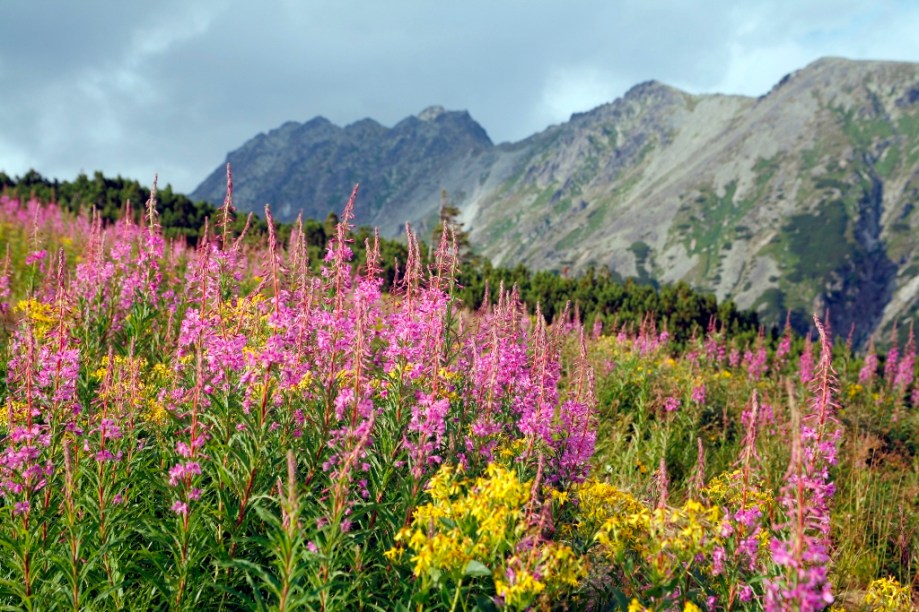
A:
{"points": [[802, 198]]}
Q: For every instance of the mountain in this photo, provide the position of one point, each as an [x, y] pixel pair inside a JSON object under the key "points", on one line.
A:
{"points": [[802, 199], [311, 167]]}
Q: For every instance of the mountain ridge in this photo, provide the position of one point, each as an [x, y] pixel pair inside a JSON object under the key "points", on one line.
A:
{"points": [[800, 199]]}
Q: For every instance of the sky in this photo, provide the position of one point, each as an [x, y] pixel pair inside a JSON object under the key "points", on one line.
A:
{"points": [[169, 87]]}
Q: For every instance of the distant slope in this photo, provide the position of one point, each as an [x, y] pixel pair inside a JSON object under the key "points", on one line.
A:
{"points": [[802, 199], [311, 167]]}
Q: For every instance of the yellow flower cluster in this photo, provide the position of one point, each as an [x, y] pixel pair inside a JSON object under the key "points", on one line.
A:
{"points": [[557, 565], [679, 534], [509, 450], [133, 386], [305, 383], [464, 523], [612, 517], [15, 409], [480, 523], [38, 314], [886, 594], [726, 490], [245, 311], [156, 412], [635, 606], [663, 537]]}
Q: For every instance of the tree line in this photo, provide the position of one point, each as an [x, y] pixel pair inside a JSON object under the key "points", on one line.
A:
{"points": [[595, 293]]}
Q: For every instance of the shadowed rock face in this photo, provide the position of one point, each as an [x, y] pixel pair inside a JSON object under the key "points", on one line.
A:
{"points": [[311, 167], [799, 200]]}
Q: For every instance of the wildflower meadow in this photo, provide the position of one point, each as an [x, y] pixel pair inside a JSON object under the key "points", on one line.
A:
{"points": [[235, 425]]}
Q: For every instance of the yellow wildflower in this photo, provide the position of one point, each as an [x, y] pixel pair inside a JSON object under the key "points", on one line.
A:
{"points": [[156, 412], [886, 594], [305, 382], [38, 314], [635, 606], [521, 593], [479, 520]]}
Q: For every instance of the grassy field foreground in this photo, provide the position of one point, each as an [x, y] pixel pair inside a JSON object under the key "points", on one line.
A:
{"points": [[230, 427]]}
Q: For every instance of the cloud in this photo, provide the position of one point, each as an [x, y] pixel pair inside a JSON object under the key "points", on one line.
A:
{"points": [[172, 86], [96, 107], [776, 38], [575, 88]]}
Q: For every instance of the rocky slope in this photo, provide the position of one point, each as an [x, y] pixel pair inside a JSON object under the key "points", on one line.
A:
{"points": [[311, 167], [802, 199]]}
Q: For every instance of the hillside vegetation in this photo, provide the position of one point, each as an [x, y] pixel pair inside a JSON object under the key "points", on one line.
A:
{"points": [[239, 425], [803, 199], [596, 294]]}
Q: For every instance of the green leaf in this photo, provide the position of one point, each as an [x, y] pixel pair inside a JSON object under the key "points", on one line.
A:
{"points": [[476, 568]]}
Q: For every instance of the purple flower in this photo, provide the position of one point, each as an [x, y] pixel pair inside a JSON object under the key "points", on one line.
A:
{"points": [[698, 394], [36, 256], [870, 367]]}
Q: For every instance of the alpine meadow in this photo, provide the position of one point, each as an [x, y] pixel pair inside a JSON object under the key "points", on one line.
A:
{"points": [[623, 319], [239, 424]]}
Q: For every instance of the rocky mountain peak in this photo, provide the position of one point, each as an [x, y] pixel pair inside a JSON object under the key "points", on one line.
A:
{"points": [[431, 113], [651, 91], [803, 199]]}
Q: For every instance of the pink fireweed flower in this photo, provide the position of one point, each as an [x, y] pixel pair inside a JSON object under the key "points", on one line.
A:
{"points": [[426, 430], [870, 367], [578, 440], [906, 367], [536, 403], [718, 557], [806, 361], [672, 404], [713, 347], [597, 329], [698, 394], [734, 358], [181, 471], [784, 346], [801, 560], [892, 362], [755, 360], [36, 256]]}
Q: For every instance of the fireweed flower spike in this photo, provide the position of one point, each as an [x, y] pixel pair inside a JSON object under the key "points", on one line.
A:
{"points": [[802, 557], [155, 395], [906, 367], [870, 367], [891, 364]]}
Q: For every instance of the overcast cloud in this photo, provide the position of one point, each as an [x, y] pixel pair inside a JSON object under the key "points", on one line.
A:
{"points": [[169, 87]]}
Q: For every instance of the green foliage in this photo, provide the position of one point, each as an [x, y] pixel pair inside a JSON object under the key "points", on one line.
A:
{"points": [[179, 216], [596, 294], [288, 511]]}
